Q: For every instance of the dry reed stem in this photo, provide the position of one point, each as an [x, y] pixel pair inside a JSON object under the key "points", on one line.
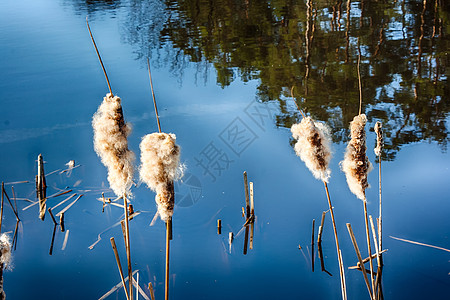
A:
{"points": [[51, 215], [166, 293], [119, 266], [338, 249], [359, 78], [111, 145], [358, 254], [10, 203], [153, 96], [61, 222], [1, 209], [252, 213], [369, 250], [69, 206], [293, 99], [374, 235], [247, 212], [98, 55], [312, 244], [41, 187], [219, 226], [378, 151], [420, 244], [322, 221], [127, 245], [378, 256]]}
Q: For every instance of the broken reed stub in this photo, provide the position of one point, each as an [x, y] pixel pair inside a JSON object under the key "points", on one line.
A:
{"points": [[219, 226], [61, 222], [41, 188]]}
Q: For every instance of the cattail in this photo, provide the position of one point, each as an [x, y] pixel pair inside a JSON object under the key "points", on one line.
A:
{"points": [[160, 166], [111, 145], [5, 260], [356, 164], [380, 142], [5, 251], [313, 146]]}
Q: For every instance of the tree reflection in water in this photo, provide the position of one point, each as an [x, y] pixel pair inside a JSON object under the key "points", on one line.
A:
{"points": [[312, 45]]}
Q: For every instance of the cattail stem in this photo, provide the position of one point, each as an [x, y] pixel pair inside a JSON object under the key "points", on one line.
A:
{"points": [[369, 250], [293, 99], [153, 95], [379, 218], [1, 209], [338, 249], [168, 226], [127, 247], [312, 244], [252, 214], [358, 254], [359, 79], [116, 254], [99, 57], [378, 255]]}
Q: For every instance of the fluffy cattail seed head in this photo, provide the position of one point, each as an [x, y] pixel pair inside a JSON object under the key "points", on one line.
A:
{"points": [[356, 164], [5, 250], [160, 166], [380, 143], [313, 146], [111, 145]]}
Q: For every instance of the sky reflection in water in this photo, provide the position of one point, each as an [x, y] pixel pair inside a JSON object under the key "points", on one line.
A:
{"points": [[214, 71]]}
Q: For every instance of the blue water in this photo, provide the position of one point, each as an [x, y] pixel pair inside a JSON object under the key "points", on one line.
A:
{"points": [[51, 84]]}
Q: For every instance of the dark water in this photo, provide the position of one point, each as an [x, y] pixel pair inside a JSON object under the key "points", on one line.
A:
{"points": [[223, 71]]}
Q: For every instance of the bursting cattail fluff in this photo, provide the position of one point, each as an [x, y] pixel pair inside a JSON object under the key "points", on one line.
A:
{"points": [[380, 142], [160, 166], [313, 146], [356, 164], [5, 250], [111, 145]]}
